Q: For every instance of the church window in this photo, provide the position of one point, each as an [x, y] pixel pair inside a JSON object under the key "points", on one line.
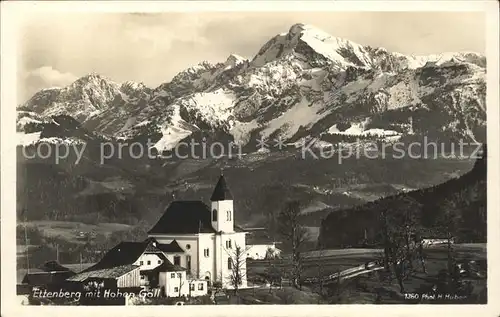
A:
{"points": [[206, 252], [214, 215], [228, 215], [177, 260], [229, 263]]}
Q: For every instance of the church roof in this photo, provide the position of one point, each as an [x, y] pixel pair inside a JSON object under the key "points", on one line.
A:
{"points": [[184, 217], [221, 191]]}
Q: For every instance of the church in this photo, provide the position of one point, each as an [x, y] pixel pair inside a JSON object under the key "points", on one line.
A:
{"points": [[187, 250], [203, 240]]}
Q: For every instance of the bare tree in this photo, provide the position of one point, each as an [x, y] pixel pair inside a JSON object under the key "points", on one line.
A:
{"points": [[410, 229], [295, 234], [386, 240], [237, 266], [270, 267], [399, 249], [397, 259], [449, 222]]}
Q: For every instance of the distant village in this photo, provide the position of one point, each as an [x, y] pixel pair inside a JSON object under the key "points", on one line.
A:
{"points": [[192, 251]]}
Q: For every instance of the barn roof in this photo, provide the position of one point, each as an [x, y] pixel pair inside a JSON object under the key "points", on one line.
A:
{"points": [[124, 253], [105, 273], [221, 191], [184, 217]]}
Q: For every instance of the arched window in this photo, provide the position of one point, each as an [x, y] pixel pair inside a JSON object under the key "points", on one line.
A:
{"points": [[228, 215], [214, 215]]}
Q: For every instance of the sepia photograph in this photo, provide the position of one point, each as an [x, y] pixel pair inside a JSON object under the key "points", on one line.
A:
{"points": [[251, 157]]}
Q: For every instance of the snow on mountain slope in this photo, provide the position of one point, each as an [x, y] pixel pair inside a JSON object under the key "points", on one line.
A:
{"points": [[214, 106], [172, 133], [25, 139], [301, 114], [81, 99], [300, 84]]}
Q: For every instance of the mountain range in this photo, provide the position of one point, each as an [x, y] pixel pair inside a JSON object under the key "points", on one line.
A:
{"points": [[302, 85]]}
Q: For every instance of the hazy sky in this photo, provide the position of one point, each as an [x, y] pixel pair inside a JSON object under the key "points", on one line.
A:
{"points": [[55, 49]]}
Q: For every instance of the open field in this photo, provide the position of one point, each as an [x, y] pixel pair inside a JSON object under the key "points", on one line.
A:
{"points": [[71, 231]]}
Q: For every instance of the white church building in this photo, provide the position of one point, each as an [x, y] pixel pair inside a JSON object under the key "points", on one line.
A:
{"points": [[203, 239]]}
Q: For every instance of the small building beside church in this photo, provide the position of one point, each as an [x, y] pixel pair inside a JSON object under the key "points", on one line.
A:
{"points": [[263, 251]]}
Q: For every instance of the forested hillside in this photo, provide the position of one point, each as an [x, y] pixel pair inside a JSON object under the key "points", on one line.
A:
{"points": [[459, 203]]}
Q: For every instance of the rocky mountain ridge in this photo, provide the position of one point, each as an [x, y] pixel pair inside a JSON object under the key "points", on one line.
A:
{"points": [[301, 84]]}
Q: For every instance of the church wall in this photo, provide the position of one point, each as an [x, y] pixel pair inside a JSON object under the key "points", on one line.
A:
{"points": [[206, 263], [219, 253], [171, 256]]}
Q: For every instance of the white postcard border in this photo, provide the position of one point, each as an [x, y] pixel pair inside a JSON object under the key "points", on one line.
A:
{"points": [[14, 12]]}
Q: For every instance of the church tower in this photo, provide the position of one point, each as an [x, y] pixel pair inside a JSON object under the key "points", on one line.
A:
{"points": [[222, 215]]}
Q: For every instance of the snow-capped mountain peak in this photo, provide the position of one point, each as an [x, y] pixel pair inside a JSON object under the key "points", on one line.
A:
{"points": [[308, 43]]}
